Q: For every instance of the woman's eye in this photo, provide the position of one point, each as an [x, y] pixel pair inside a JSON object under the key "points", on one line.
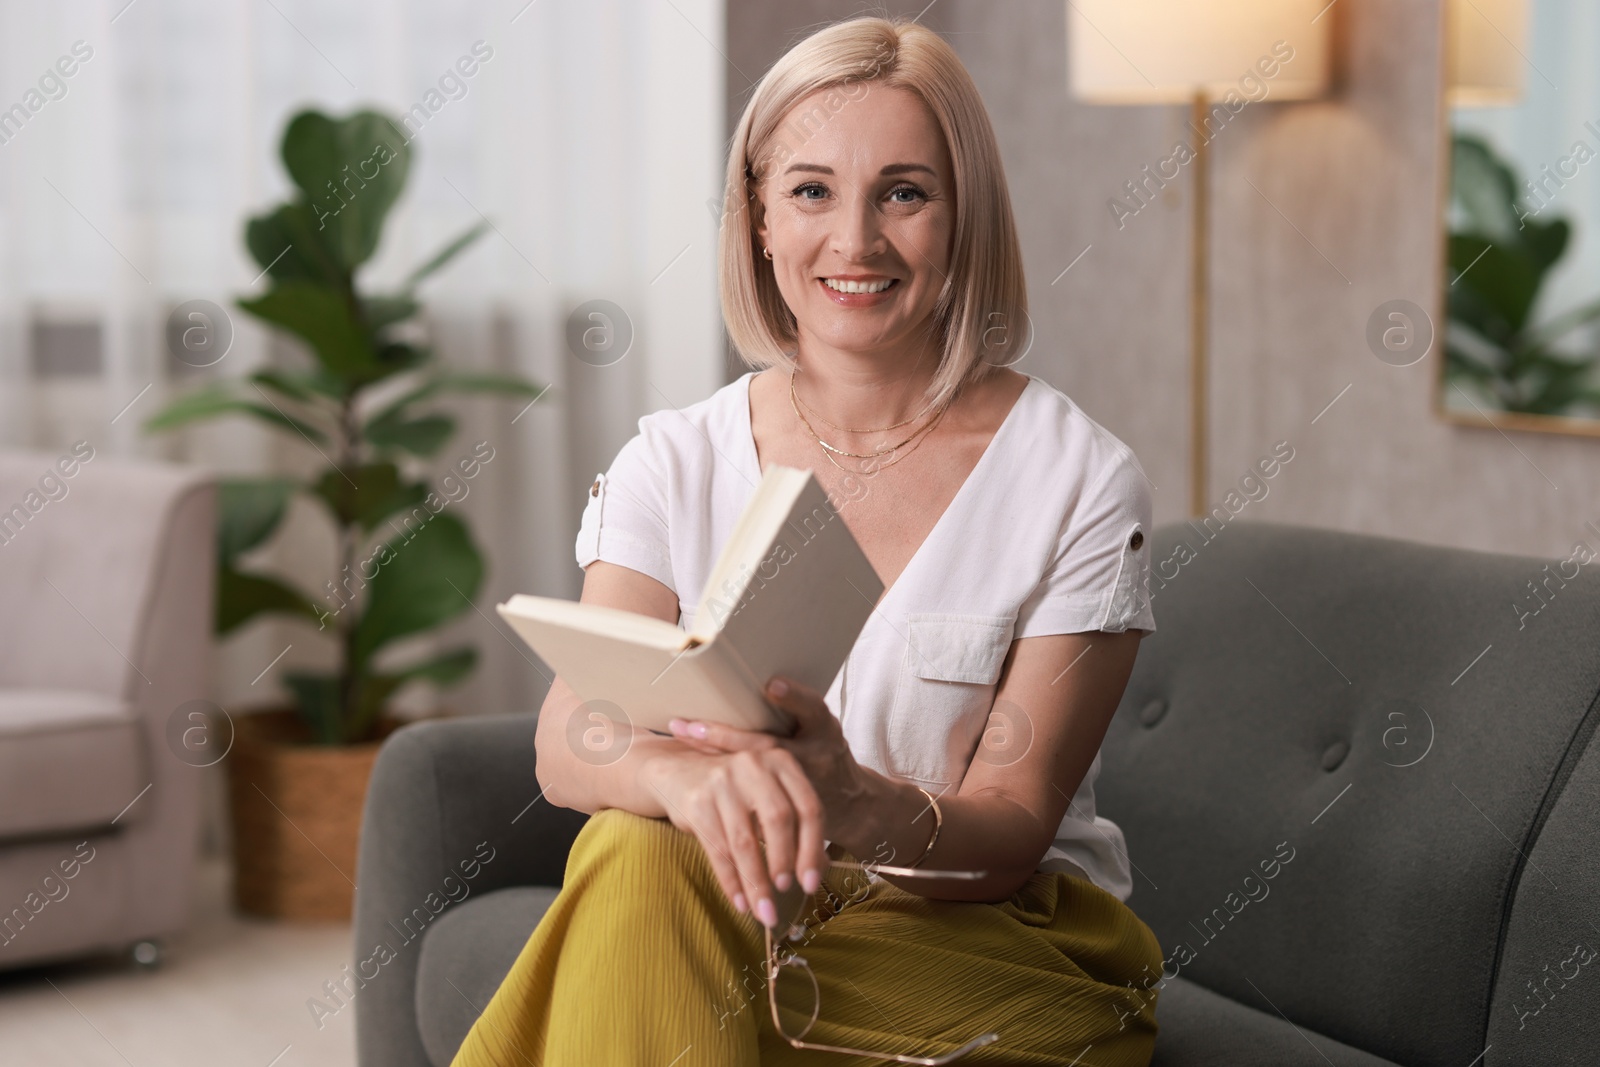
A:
{"points": [[816, 192]]}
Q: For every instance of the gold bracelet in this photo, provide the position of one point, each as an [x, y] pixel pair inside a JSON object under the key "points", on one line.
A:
{"points": [[938, 824]]}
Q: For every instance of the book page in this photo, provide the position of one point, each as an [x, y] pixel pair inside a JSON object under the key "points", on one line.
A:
{"points": [[750, 542], [801, 605]]}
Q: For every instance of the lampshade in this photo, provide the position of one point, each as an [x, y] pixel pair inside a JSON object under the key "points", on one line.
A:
{"points": [[1485, 42], [1167, 51]]}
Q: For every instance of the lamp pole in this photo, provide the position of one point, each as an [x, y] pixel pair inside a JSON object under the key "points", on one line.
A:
{"points": [[1199, 301]]}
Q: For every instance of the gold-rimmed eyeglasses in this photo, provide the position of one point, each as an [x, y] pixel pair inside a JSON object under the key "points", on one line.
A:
{"points": [[809, 992]]}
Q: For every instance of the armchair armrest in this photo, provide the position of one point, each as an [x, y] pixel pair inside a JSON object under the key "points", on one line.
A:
{"points": [[453, 810]]}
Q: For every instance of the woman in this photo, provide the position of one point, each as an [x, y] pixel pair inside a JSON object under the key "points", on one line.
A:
{"points": [[870, 264]]}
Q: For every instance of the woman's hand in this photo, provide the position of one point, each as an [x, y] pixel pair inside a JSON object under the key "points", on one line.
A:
{"points": [[727, 799], [817, 747]]}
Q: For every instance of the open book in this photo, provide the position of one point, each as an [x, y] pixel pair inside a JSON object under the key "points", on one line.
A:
{"points": [[789, 595]]}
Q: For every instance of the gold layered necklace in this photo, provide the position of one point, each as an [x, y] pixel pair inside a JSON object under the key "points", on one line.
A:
{"points": [[829, 451]]}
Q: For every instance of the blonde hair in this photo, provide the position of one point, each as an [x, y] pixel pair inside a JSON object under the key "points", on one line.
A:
{"points": [[980, 317]]}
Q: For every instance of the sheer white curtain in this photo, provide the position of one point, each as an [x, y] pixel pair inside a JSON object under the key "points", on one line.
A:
{"points": [[590, 135]]}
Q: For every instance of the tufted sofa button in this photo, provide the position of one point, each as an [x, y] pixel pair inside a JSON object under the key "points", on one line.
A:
{"points": [[1153, 713], [1335, 755]]}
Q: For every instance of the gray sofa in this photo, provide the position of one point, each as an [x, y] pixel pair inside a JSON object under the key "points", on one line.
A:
{"points": [[106, 574], [1358, 779]]}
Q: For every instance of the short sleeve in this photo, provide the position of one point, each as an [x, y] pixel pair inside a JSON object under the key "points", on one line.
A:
{"points": [[625, 516], [1098, 576]]}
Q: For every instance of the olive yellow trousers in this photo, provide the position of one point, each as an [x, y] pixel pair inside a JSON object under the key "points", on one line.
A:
{"points": [[642, 960]]}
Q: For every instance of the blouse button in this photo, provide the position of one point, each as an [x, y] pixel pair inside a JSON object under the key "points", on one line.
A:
{"points": [[594, 490], [1136, 540]]}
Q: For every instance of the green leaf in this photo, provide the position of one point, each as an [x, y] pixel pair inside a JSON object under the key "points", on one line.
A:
{"points": [[308, 387], [447, 668], [397, 357], [352, 171], [382, 312], [1545, 243], [420, 583], [421, 436], [241, 597], [248, 511], [447, 253], [502, 384], [322, 318], [1483, 189], [376, 494], [1553, 384], [1493, 285], [1562, 324], [215, 400], [288, 247]]}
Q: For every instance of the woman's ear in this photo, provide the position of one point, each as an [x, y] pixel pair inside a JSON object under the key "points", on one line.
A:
{"points": [[758, 215]]}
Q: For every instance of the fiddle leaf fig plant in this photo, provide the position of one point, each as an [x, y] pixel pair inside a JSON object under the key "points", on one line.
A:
{"points": [[366, 405]]}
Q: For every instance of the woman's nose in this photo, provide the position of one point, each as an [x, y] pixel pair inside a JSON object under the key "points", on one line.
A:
{"points": [[859, 233]]}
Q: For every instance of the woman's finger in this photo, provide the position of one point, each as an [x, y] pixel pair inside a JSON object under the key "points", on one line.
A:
{"points": [[819, 743], [811, 855], [701, 747], [706, 824], [804, 704], [738, 830], [719, 737], [774, 812]]}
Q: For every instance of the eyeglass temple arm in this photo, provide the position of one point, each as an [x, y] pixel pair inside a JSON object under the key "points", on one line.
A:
{"points": [[910, 872]]}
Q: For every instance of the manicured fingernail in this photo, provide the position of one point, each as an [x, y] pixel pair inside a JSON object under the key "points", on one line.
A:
{"points": [[676, 726], [766, 912], [697, 729], [810, 880], [782, 881], [739, 903], [778, 687]]}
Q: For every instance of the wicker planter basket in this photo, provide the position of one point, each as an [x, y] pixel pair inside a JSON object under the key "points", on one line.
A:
{"points": [[296, 812]]}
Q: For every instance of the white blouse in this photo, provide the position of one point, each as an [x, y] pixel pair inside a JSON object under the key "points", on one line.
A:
{"points": [[1046, 536]]}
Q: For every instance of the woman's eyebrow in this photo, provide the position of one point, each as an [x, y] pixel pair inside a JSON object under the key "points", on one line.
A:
{"points": [[891, 169]]}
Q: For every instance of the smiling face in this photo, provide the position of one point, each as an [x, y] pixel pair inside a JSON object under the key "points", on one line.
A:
{"points": [[860, 219]]}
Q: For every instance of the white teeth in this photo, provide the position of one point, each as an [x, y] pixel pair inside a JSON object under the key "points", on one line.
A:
{"points": [[857, 287]]}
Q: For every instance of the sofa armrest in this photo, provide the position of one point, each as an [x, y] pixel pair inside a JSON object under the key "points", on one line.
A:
{"points": [[161, 839], [453, 810]]}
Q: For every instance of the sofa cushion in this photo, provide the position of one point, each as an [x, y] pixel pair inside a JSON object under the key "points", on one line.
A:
{"points": [[466, 954], [68, 761], [1200, 1028]]}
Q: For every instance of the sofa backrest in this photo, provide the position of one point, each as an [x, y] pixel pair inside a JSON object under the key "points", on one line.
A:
{"points": [[80, 536], [1332, 764]]}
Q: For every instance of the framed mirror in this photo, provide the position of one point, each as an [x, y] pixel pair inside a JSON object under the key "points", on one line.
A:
{"points": [[1520, 308]]}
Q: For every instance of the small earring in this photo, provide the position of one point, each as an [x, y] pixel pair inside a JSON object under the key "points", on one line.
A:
{"points": [[767, 252]]}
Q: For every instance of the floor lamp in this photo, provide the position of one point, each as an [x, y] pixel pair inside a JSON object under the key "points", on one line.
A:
{"points": [[1220, 57], [1485, 41]]}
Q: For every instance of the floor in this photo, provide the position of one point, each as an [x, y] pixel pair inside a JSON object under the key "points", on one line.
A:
{"points": [[230, 992]]}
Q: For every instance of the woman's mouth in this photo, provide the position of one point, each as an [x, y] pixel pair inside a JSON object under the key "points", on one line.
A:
{"points": [[857, 292]]}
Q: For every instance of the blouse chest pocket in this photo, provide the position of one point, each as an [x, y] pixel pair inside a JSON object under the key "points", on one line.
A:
{"points": [[944, 692]]}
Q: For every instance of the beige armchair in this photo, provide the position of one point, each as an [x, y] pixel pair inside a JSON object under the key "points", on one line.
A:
{"points": [[106, 576]]}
